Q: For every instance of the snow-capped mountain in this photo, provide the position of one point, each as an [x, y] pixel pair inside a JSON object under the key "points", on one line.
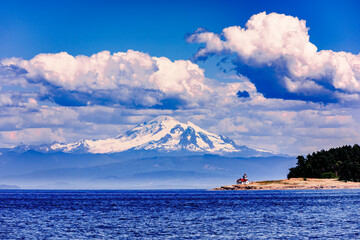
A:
{"points": [[163, 134], [162, 153]]}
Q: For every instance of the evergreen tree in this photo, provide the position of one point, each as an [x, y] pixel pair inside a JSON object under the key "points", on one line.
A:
{"points": [[342, 163]]}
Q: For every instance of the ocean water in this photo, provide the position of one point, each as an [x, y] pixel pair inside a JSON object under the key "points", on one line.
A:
{"points": [[180, 214]]}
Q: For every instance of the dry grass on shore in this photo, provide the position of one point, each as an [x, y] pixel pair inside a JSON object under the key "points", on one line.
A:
{"points": [[294, 183]]}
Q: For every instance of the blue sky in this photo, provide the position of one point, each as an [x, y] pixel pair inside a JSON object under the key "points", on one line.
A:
{"points": [[157, 27], [303, 111]]}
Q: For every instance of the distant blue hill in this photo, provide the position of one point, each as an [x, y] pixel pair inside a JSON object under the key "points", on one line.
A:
{"points": [[33, 169]]}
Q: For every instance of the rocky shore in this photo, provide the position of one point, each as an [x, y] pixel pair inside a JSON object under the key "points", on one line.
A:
{"points": [[293, 183]]}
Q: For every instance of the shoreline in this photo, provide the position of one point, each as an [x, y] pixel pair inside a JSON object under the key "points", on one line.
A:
{"points": [[292, 184]]}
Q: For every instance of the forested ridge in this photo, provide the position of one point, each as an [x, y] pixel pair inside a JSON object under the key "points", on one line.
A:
{"points": [[342, 162]]}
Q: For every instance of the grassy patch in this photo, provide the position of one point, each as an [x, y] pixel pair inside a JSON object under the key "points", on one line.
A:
{"points": [[269, 182]]}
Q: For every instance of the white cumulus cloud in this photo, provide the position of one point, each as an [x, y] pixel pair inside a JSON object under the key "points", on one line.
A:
{"points": [[277, 38], [121, 78]]}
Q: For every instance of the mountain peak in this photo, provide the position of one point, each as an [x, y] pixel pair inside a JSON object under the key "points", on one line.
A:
{"points": [[163, 118], [163, 134]]}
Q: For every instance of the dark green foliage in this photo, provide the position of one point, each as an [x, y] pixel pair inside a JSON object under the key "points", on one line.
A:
{"points": [[328, 175], [342, 163]]}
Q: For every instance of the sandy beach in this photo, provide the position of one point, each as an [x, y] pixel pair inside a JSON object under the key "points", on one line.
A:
{"points": [[293, 183]]}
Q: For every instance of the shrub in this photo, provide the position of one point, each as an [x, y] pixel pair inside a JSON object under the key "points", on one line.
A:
{"points": [[328, 175]]}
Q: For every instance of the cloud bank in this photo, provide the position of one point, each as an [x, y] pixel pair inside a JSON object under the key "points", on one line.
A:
{"points": [[131, 78], [283, 94]]}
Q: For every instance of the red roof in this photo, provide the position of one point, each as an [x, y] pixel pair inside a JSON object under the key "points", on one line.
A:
{"points": [[241, 180]]}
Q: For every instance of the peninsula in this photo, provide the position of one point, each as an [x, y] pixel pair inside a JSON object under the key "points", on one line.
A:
{"points": [[294, 184], [336, 168]]}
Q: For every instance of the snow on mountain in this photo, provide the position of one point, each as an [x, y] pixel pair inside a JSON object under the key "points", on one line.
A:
{"points": [[164, 134]]}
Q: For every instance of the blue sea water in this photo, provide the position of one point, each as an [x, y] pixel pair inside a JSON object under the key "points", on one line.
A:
{"points": [[180, 214]]}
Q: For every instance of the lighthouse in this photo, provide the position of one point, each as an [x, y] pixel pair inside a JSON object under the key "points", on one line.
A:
{"points": [[243, 180]]}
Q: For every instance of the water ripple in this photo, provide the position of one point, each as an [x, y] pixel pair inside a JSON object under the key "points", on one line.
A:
{"points": [[182, 214]]}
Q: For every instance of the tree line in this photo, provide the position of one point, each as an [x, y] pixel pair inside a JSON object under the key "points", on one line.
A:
{"points": [[342, 163]]}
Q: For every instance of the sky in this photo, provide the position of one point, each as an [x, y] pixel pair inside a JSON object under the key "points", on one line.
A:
{"points": [[278, 75]]}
